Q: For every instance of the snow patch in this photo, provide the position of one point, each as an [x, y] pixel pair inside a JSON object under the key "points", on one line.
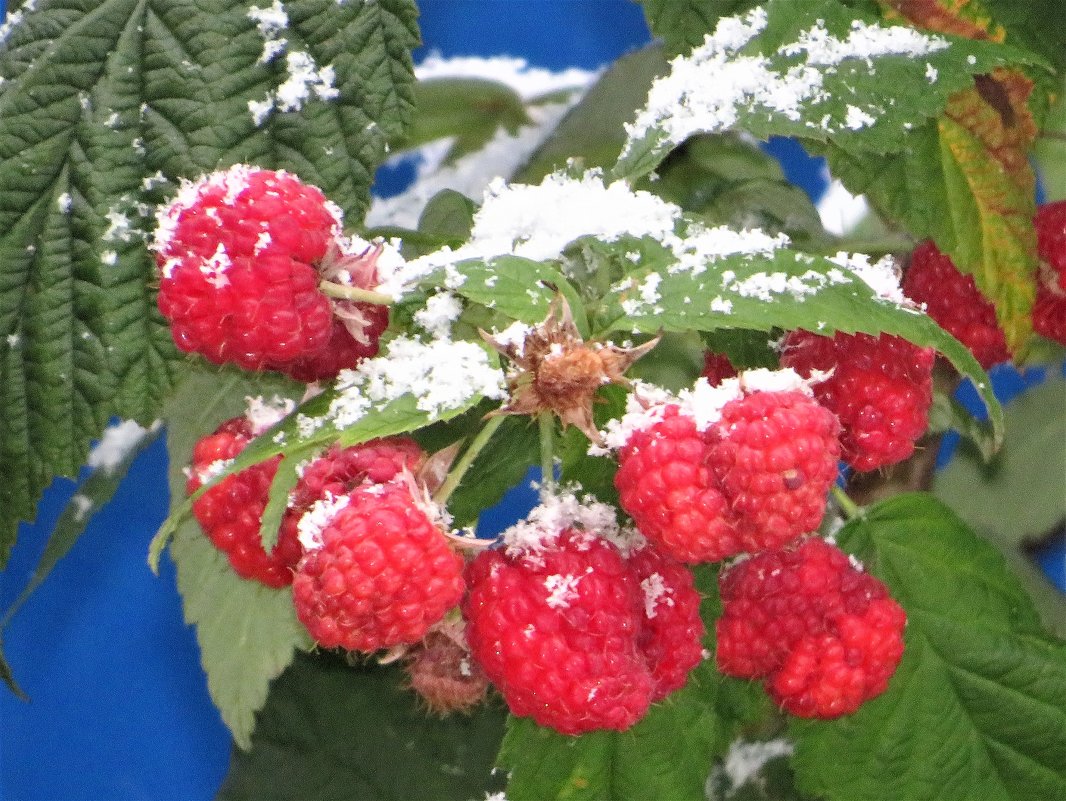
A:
{"points": [[262, 413], [561, 590], [270, 22], [64, 202], [655, 590], [559, 509], [527, 81], [309, 528], [440, 311], [841, 211], [116, 443], [744, 760]]}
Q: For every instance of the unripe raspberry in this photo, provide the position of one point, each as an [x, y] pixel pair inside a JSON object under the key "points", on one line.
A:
{"points": [[955, 302], [231, 512], [880, 387], [824, 635], [379, 573]]}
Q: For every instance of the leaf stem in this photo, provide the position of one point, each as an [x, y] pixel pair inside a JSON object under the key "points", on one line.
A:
{"points": [[850, 509], [455, 475], [355, 293], [547, 447]]}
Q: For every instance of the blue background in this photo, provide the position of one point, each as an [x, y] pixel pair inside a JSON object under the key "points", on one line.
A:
{"points": [[119, 702]]}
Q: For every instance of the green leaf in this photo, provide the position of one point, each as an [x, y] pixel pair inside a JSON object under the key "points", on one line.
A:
{"points": [[331, 731], [975, 710], [283, 483], [866, 104], [514, 448], [947, 414], [1050, 148], [683, 24], [780, 288], [247, 631], [1026, 24], [93, 492], [105, 105], [469, 109], [448, 214]]}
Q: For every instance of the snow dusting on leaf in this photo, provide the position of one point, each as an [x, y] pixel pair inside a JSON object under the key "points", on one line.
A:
{"points": [[117, 441]]}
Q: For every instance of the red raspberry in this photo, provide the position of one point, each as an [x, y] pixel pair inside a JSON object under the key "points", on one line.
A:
{"points": [[881, 389], [231, 512], [556, 632], [671, 629], [382, 574], [241, 254], [1049, 312], [955, 302], [756, 479], [824, 635], [717, 368], [666, 486], [1050, 225]]}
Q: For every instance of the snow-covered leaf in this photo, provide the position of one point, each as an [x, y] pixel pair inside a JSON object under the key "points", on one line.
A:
{"points": [[104, 106], [975, 709], [682, 24], [808, 68]]}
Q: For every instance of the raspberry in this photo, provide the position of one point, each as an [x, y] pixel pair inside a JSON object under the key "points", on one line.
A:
{"points": [[671, 629], [556, 632], [241, 254], [230, 513], [380, 573], [1049, 312], [1050, 225], [825, 636], [717, 368], [955, 302], [881, 388], [755, 479]]}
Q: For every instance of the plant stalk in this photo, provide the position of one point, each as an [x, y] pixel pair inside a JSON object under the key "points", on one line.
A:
{"points": [[547, 448], [455, 475], [345, 292], [850, 509]]}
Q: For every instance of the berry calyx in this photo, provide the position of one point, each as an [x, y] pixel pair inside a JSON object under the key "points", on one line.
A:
{"points": [[824, 635], [880, 387], [954, 301]]}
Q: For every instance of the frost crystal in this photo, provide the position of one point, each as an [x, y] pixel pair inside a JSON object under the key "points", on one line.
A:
{"points": [[561, 590], [654, 590], [309, 527]]}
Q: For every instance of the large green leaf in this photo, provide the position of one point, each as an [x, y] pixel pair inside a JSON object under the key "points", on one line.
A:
{"points": [[808, 68], [247, 631], [977, 708], [332, 731], [772, 287], [103, 106]]}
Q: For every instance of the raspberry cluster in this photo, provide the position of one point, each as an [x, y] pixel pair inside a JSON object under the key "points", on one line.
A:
{"points": [[1049, 311], [241, 253], [578, 632], [954, 301], [755, 477], [823, 635], [880, 387]]}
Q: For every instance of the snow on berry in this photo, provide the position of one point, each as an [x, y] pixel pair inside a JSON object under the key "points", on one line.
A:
{"points": [[382, 576], [880, 387], [824, 636], [954, 301]]}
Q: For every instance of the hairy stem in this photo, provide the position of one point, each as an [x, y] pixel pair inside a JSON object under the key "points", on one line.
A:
{"points": [[455, 475], [850, 509]]}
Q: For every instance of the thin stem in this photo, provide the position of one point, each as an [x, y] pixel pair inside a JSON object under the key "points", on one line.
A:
{"points": [[547, 447], [455, 475], [878, 247], [355, 293], [850, 509]]}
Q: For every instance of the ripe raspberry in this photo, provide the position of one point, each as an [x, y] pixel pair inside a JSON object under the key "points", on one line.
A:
{"points": [[717, 368], [671, 630], [666, 486], [241, 254], [881, 389], [1050, 225], [756, 478], [556, 632], [1049, 312], [445, 675], [824, 635], [955, 302], [379, 574], [230, 513]]}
